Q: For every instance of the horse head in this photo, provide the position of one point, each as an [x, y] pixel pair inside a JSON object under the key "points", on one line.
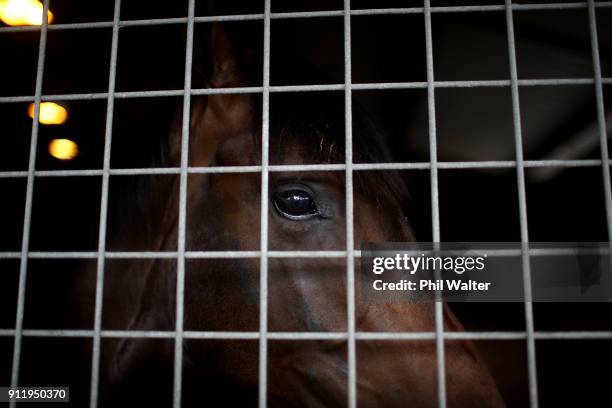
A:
{"points": [[306, 211]]}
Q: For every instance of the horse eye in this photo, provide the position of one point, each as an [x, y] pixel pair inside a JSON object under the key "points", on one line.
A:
{"points": [[295, 204]]}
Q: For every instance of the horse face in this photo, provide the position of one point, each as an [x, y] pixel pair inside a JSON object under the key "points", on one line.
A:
{"points": [[306, 211]]}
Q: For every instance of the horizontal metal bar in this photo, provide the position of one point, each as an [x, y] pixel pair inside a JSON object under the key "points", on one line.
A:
{"points": [[230, 17], [154, 22], [305, 14], [62, 255], [224, 169], [59, 27], [221, 254], [306, 88], [68, 173], [79, 97], [80, 26], [13, 174], [278, 254], [391, 166], [141, 255], [561, 163], [93, 255], [307, 167], [558, 6], [303, 88], [149, 94], [304, 168], [221, 335], [257, 254], [364, 336], [223, 91]]}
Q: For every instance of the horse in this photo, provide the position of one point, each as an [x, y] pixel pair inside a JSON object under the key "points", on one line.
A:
{"points": [[306, 211]]}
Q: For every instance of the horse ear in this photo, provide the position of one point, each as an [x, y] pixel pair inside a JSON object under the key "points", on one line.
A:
{"points": [[215, 118], [218, 117], [226, 69], [236, 53]]}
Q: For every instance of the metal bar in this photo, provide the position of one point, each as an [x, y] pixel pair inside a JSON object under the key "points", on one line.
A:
{"points": [[27, 218], [561, 163], [307, 14], [435, 205], [86, 96], [361, 336], [63, 255], [223, 254], [108, 135], [231, 17], [289, 254], [182, 217], [149, 94], [601, 120], [141, 255], [156, 22], [13, 174], [263, 260], [220, 91], [306, 167], [350, 233], [308, 88], [80, 26], [522, 199], [65, 26], [558, 6], [284, 254]]}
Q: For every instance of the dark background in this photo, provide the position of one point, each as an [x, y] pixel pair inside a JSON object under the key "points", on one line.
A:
{"points": [[473, 124]]}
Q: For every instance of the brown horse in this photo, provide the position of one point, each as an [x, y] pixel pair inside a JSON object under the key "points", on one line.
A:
{"points": [[306, 212]]}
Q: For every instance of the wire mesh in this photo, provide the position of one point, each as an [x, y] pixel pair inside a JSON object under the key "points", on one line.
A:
{"points": [[314, 14], [433, 165]]}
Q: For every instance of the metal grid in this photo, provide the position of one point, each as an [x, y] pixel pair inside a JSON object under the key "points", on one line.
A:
{"points": [[351, 336]]}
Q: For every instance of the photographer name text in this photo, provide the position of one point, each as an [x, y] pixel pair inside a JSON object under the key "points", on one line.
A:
{"points": [[410, 265]]}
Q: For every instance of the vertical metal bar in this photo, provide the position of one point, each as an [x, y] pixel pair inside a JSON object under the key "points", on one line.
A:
{"points": [[108, 135], [182, 221], [601, 120], [350, 234], [520, 175], [435, 205], [27, 218], [263, 266]]}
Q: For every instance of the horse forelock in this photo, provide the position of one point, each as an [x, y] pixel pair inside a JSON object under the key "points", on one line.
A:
{"points": [[312, 128]]}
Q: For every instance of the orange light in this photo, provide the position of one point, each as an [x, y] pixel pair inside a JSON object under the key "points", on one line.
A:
{"points": [[23, 12], [63, 149], [51, 113]]}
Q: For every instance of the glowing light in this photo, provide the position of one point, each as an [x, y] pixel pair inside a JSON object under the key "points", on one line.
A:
{"points": [[63, 149], [51, 113], [23, 12]]}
